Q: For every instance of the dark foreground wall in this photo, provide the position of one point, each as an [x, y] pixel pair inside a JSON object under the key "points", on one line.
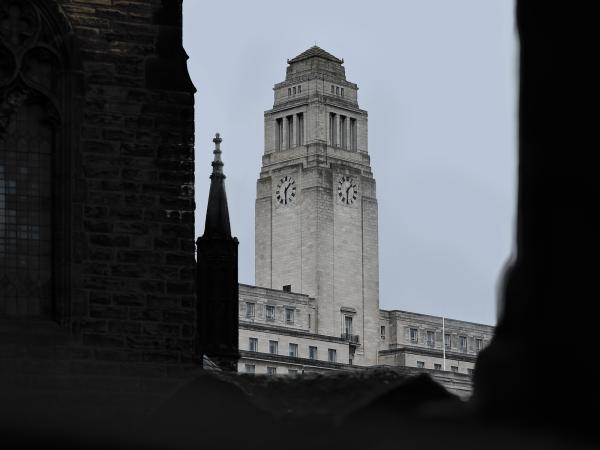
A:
{"points": [[103, 84]]}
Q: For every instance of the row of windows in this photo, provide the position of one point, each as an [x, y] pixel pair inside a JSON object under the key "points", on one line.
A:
{"points": [[337, 90], [430, 340], [251, 368], [269, 313], [292, 350], [437, 366], [284, 131], [294, 90], [342, 131]]}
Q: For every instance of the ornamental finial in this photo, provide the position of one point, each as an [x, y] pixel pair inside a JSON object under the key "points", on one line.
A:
{"points": [[217, 163]]}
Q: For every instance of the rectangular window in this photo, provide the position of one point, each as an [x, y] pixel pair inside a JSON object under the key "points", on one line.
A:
{"points": [[337, 90], [342, 92], [299, 89], [414, 335], [279, 134], [309, 321], [273, 347], [348, 326], [250, 368], [431, 339], [332, 89], [300, 129], [287, 288], [253, 344], [421, 364], [249, 310], [332, 137], [271, 370], [454, 369], [353, 135], [293, 372], [462, 343], [270, 313], [294, 350], [290, 132], [332, 355], [294, 90], [448, 340], [289, 316], [289, 91], [437, 366], [312, 352], [343, 131], [479, 344], [470, 371], [382, 332]]}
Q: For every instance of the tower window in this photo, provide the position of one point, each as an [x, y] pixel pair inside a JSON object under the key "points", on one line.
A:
{"points": [[332, 134], [343, 140], [300, 129], [279, 134], [287, 288], [290, 131]]}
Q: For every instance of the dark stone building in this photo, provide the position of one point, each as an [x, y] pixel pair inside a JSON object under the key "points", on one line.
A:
{"points": [[97, 176]]}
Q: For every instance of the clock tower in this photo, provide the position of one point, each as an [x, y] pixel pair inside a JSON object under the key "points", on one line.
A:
{"points": [[316, 208]]}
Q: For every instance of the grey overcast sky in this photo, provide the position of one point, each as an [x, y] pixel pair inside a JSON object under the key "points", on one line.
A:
{"points": [[438, 78]]}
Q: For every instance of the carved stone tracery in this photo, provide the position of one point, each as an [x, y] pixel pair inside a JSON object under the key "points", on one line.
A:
{"points": [[31, 102]]}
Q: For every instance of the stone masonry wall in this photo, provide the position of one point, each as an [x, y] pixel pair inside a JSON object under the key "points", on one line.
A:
{"points": [[132, 281]]}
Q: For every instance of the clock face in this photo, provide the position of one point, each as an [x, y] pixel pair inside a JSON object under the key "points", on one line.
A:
{"points": [[286, 191], [347, 190]]}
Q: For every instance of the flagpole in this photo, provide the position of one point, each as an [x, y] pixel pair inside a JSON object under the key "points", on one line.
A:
{"points": [[444, 341]]}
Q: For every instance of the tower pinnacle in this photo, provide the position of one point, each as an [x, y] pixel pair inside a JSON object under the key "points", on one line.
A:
{"points": [[217, 213]]}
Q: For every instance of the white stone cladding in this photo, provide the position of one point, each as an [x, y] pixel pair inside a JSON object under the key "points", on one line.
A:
{"points": [[317, 244]]}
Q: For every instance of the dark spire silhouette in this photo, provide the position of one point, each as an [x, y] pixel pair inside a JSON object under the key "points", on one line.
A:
{"points": [[217, 277], [217, 213]]}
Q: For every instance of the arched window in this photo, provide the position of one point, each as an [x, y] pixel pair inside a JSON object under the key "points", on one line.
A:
{"points": [[33, 100]]}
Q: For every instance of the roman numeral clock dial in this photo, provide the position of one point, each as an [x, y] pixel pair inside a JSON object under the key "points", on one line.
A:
{"points": [[347, 190], [286, 191]]}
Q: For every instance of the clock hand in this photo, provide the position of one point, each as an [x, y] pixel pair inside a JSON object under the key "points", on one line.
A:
{"points": [[347, 196], [285, 192]]}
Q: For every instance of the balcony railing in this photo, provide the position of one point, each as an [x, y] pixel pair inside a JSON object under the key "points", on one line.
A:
{"points": [[352, 338]]}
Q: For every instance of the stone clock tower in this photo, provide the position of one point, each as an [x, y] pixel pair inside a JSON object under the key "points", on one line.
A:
{"points": [[316, 208]]}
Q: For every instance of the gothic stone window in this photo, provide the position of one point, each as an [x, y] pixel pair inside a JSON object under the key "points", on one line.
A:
{"points": [[30, 102]]}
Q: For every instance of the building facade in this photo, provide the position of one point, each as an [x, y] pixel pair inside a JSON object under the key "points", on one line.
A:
{"points": [[315, 306], [316, 206]]}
